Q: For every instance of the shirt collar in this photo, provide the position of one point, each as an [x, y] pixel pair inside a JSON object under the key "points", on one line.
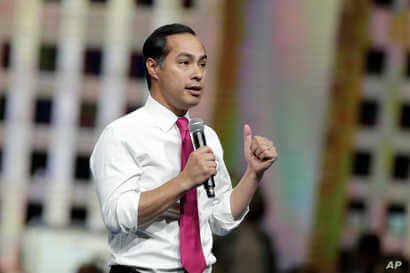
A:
{"points": [[162, 116]]}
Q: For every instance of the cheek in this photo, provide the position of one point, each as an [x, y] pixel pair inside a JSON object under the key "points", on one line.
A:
{"points": [[169, 80], [176, 76]]}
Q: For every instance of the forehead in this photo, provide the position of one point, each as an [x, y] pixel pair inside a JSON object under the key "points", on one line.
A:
{"points": [[185, 42]]}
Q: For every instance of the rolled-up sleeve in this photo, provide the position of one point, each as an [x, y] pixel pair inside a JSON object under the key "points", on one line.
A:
{"points": [[221, 219], [117, 177]]}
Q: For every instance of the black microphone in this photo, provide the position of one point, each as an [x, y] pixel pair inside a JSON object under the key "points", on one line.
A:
{"points": [[196, 128]]}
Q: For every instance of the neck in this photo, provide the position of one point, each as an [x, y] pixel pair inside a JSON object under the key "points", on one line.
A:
{"points": [[157, 95]]}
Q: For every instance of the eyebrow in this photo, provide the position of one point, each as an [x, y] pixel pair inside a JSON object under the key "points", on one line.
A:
{"points": [[189, 55]]}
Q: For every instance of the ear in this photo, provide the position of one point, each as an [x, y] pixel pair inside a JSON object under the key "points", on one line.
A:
{"points": [[152, 68]]}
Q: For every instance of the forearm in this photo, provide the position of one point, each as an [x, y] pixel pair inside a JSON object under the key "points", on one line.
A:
{"points": [[153, 203], [199, 167], [243, 192]]}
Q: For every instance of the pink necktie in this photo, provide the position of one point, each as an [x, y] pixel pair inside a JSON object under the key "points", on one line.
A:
{"points": [[190, 248]]}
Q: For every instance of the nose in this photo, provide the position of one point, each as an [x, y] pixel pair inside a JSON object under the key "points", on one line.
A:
{"points": [[197, 73]]}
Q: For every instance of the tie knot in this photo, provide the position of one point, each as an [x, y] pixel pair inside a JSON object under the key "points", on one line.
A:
{"points": [[182, 124]]}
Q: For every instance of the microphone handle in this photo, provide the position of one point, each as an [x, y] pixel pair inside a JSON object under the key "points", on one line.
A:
{"points": [[209, 185], [199, 141]]}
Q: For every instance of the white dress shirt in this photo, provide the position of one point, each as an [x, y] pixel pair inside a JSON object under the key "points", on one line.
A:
{"points": [[139, 152]]}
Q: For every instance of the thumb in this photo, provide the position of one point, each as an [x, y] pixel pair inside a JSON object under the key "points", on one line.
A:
{"points": [[247, 137]]}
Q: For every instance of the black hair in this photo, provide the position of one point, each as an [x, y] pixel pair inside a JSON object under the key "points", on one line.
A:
{"points": [[155, 46]]}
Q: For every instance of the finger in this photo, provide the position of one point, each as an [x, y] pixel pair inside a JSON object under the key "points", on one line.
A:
{"points": [[209, 169], [267, 164], [207, 150], [204, 149], [259, 151], [269, 149], [257, 148], [273, 149], [266, 155], [266, 144], [212, 165], [269, 154], [262, 153], [214, 172], [247, 137], [259, 143], [260, 156], [212, 169], [209, 157], [263, 141], [209, 164], [254, 146]]}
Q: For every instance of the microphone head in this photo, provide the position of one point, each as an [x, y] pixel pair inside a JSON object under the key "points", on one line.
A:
{"points": [[196, 124]]}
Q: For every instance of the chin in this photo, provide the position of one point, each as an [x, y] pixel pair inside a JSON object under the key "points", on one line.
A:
{"points": [[192, 101]]}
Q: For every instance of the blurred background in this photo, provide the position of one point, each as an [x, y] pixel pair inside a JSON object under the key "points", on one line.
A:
{"points": [[327, 80]]}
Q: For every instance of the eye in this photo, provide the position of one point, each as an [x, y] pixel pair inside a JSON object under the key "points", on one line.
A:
{"points": [[203, 64], [184, 62]]}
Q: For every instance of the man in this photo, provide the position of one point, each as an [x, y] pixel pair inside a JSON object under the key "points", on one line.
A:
{"points": [[149, 178]]}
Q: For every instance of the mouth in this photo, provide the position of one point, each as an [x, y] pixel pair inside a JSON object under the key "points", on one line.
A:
{"points": [[194, 90]]}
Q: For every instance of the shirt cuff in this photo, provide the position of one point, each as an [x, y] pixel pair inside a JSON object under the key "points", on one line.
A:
{"points": [[228, 205], [223, 215], [127, 211]]}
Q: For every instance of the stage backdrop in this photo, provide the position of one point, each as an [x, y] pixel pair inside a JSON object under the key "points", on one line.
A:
{"points": [[280, 87]]}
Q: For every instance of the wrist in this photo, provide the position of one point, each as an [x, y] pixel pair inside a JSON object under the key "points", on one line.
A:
{"points": [[252, 174], [184, 182]]}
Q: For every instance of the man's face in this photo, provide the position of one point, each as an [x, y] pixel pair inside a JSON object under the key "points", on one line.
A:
{"points": [[182, 73]]}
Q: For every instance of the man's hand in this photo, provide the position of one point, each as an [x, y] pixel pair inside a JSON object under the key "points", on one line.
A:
{"points": [[200, 166], [161, 201], [259, 152]]}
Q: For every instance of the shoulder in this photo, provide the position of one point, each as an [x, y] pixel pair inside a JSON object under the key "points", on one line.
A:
{"points": [[118, 132], [122, 128], [132, 121], [212, 138], [209, 131]]}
